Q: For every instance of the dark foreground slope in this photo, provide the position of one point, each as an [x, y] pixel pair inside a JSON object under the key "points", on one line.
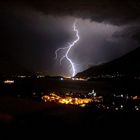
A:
{"points": [[23, 118]]}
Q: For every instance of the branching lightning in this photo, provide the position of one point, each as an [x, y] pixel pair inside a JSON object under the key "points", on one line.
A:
{"points": [[68, 48]]}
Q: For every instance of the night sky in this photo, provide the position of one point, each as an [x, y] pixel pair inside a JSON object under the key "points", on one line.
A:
{"points": [[31, 31]]}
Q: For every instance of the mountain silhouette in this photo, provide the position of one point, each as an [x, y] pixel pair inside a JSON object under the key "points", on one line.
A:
{"points": [[128, 64]]}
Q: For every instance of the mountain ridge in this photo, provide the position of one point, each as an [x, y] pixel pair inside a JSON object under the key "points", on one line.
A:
{"points": [[128, 64]]}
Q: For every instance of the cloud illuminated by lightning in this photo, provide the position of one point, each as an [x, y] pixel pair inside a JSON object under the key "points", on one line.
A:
{"points": [[68, 48]]}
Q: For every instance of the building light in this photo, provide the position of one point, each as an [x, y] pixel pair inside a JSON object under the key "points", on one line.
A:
{"points": [[93, 93], [61, 79], [34, 93], [83, 105], [40, 76], [116, 108], [121, 106], [113, 103], [122, 95], [136, 108], [21, 76], [8, 82]]}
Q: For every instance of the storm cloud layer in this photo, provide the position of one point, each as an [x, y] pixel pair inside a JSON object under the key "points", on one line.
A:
{"points": [[31, 31], [114, 11]]}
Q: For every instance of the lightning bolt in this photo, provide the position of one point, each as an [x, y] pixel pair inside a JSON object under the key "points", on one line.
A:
{"points": [[68, 48]]}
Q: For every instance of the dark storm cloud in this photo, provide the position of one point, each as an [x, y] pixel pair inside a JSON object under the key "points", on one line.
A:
{"points": [[30, 38], [31, 31], [132, 31], [114, 11]]}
